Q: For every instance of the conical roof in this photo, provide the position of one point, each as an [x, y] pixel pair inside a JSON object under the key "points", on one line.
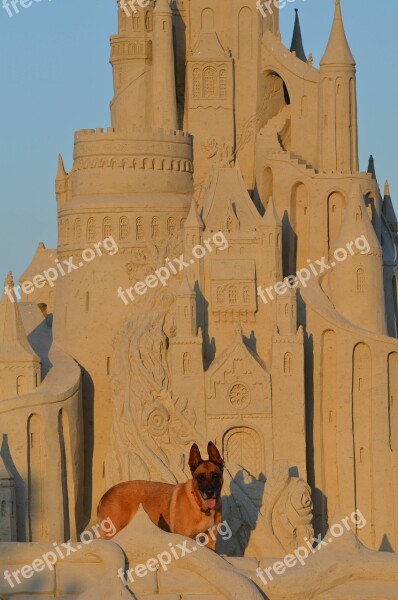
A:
{"points": [[42, 260], [388, 208], [297, 41], [356, 223], [14, 345], [185, 288], [163, 7], [371, 167], [338, 51], [271, 217], [193, 218]]}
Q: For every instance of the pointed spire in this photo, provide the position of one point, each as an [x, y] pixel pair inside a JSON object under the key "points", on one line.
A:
{"points": [[388, 209], [271, 217], [14, 345], [338, 51], [297, 41], [193, 218], [61, 173], [371, 167], [185, 288]]}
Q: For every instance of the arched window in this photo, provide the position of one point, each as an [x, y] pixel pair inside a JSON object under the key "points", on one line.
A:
{"points": [[148, 21], [91, 230], [288, 363], [187, 363], [77, 230], [3, 511], [171, 226], [209, 82], [155, 229], [360, 280], [246, 295], [220, 295], [196, 83], [21, 385], [107, 227], [123, 228], [139, 229], [223, 83], [232, 295]]}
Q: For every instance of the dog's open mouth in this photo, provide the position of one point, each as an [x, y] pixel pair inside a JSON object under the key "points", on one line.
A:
{"points": [[210, 503]]}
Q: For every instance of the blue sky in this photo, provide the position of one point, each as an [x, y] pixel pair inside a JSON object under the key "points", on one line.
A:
{"points": [[56, 78]]}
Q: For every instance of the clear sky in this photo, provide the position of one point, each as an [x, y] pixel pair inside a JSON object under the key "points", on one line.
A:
{"points": [[56, 78]]}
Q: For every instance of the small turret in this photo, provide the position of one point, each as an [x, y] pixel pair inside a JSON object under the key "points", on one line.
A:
{"points": [[271, 227], [338, 129], [297, 41], [357, 289], [164, 103], [19, 365], [186, 310], [61, 182]]}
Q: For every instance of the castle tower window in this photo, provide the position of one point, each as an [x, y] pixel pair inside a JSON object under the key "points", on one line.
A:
{"points": [[223, 83], [66, 232], [246, 295], [21, 385], [360, 280], [288, 364], [123, 228], [155, 229], [139, 229], [91, 230], [196, 83], [232, 295], [77, 230], [3, 511], [148, 21], [209, 82], [187, 363], [171, 226], [220, 295], [107, 227]]}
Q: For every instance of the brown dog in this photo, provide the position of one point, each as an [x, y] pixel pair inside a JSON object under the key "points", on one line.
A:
{"points": [[187, 508]]}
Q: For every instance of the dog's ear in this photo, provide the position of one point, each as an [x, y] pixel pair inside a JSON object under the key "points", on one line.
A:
{"points": [[195, 458], [214, 455]]}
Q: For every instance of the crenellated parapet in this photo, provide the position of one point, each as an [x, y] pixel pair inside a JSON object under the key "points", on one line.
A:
{"points": [[114, 162]]}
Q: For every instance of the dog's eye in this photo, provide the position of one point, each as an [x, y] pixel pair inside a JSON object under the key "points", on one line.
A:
{"points": [[201, 477], [215, 476]]}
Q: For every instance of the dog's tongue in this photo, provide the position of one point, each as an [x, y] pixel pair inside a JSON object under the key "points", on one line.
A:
{"points": [[210, 503]]}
